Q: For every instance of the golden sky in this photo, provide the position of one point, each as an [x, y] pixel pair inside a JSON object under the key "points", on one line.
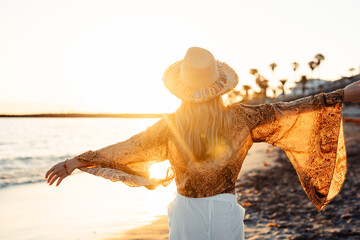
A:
{"points": [[109, 56]]}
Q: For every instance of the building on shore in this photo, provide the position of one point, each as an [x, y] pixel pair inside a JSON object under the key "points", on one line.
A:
{"points": [[317, 85]]}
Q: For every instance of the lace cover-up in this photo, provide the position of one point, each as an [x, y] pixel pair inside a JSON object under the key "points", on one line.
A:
{"points": [[309, 130]]}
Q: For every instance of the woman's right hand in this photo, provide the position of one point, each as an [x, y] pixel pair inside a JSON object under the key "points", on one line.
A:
{"points": [[352, 92], [59, 172]]}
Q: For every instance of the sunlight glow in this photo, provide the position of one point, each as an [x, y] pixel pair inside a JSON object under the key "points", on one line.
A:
{"points": [[158, 170]]}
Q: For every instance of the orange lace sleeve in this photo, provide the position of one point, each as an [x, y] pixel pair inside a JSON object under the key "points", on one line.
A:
{"points": [[129, 161], [310, 132]]}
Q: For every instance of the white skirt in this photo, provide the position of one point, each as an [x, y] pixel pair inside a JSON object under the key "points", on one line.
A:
{"points": [[216, 217]]}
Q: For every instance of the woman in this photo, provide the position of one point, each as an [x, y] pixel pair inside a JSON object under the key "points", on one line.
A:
{"points": [[207, 142]]}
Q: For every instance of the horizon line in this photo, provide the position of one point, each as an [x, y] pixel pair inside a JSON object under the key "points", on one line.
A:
{"points": [[99, 115]]}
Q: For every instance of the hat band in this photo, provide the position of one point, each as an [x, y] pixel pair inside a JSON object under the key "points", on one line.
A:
{"points": [[205, 92]]}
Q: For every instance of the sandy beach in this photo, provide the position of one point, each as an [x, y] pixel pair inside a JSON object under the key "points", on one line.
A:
{"points": [[84, 207], [157, 229]]}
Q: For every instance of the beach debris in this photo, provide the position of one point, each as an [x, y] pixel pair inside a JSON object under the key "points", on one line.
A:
{"points": [[273, 225], [265, 164], [246, 204]]}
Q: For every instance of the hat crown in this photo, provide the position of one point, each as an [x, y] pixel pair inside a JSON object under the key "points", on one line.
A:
{"points": [[198, 68]]}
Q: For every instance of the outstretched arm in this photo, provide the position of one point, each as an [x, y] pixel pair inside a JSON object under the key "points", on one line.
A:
{"points": [[352, 92], [63, 169], [310, 131], [126, 161]]}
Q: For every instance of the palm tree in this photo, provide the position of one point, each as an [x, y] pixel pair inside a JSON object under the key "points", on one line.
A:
{"points": [[318, 59], [283, 81], [295, 66], [262, 83], [351, 70], [246, 88], [254, 71], [273, 67], [265, 85], [303, 82], [312, 66], [274, 92]]}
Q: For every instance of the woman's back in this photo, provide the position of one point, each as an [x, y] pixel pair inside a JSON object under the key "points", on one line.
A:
{"points": [[219, 168]]}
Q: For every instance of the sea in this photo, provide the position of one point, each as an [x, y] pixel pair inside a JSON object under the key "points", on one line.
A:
{"points": [[30, 146]]}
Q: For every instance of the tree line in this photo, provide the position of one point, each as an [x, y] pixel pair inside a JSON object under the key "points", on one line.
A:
{"points": [[263, 83]]}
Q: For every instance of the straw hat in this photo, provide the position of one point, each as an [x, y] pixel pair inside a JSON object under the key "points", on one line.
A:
{"points": [[198, 77]]}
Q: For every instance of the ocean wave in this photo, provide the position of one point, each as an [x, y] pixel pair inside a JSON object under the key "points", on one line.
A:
{"points": [[26, 169], [13, 180], [36, 157], [32, 146], [4, 184]]}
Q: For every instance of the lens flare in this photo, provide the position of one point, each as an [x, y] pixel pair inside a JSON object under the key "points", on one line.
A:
{"points": [[158, 170]]}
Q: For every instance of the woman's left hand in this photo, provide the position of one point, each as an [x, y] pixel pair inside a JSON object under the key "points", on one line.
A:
{"points": [[59, 172], [352, 92]]}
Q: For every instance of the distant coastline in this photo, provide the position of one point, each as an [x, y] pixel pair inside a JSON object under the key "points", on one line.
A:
{"points": [[86, 115]]}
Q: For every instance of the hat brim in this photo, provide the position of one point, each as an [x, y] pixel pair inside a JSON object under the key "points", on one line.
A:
{"points": [[227, 80]]}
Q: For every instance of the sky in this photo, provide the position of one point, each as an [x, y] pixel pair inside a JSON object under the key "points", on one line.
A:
{"points": [[109, 56]]}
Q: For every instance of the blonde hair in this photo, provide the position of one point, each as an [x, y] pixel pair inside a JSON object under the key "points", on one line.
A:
{"points": [[202, 126]]}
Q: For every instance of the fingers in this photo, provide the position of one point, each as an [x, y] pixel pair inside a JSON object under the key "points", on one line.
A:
{"points": [[59, 181], [56, 175], [51, 176], [48, 172], [57, 172], [54, 179]]}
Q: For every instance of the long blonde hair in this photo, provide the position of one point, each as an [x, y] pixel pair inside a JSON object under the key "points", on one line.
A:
{"points": [[203, 125]]}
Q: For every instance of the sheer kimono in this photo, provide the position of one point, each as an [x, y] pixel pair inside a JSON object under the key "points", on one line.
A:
{"points": [[309, 130]]}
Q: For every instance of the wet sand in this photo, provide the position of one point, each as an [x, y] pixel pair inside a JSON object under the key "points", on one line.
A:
{"points": [[157, 229]]}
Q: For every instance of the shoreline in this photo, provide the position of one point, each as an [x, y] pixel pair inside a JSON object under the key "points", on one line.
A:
{"points": [[85, 115]]}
